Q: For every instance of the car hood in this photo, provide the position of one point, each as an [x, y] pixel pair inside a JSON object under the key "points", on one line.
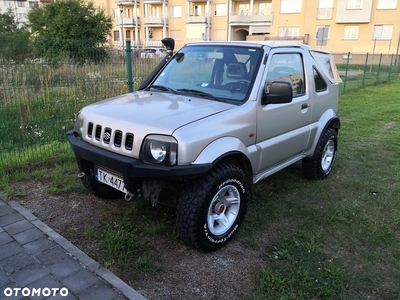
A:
{"points": [[151, 112]]}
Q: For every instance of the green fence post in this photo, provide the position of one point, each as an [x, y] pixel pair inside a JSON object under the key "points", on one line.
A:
{"points": [[129, 65], [390, 67], [345, 74], [365, 71], [379, 68]]}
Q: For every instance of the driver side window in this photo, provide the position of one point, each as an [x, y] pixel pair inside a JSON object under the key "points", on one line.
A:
{"points": [[287, 67]]}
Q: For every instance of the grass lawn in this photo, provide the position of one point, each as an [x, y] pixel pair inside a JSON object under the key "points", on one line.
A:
{"points": [[338, 238]]}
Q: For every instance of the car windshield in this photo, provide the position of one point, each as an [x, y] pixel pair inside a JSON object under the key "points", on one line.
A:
{"points": [[223, 73]]}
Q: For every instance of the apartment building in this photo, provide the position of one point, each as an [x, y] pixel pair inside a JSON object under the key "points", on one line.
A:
{"points": [[20, 8], [356, 26]]}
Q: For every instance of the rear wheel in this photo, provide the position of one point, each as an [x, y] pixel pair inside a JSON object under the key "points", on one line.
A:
{"points": [[320, 165], [211, 208]]}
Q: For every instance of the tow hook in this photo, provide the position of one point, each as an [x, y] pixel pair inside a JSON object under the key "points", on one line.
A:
{"points": [[81, 175], [128, 196]]}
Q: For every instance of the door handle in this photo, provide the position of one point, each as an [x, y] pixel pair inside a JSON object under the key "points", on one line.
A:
{"points": [[304, 106]]}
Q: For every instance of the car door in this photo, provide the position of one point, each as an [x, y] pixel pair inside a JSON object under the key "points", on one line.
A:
{"points": [[283, 130]]}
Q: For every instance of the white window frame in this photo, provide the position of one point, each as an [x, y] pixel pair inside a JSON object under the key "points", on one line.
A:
{"points": [[265, 8], [220, 10], [386, 4], [353, 32], [290, 6], [354, 4], [383, 32], [176, 11]]}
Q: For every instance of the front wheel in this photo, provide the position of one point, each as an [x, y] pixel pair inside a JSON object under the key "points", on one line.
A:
{"points": [[320, 165], [211, 208]]}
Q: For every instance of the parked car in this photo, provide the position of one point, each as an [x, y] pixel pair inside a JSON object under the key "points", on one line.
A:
{"points": [[210, 128], [153, 52]]}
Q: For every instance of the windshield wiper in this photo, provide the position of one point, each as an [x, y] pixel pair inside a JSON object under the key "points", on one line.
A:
{"points": [[199, 93], [164, 88]]}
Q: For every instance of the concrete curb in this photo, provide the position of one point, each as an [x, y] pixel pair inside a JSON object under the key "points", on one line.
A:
{"points": [[83, 258]]}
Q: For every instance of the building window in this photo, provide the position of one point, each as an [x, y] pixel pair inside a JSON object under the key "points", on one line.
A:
{"points": [[244, 9], [383, 32], [387, 4], [116, 36], [289, 31], [354, 4], [325, 8], [21, 3], [290, 6], [350, 32], [220, 10], [265, 8], [32, 4], [176, 11]]}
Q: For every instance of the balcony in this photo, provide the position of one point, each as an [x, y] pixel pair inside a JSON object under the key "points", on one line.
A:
{"points": [[127, 2], [128, 22], [196, 19], [251, 18], [155, 1], [155, 21], [324, 13]]}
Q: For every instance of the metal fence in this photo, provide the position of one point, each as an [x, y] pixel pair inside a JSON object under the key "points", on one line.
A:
{"points": [[38, 100], [361, 70]]}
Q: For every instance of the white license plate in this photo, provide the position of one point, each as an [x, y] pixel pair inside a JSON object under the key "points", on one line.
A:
{"points": [[110, 178]]}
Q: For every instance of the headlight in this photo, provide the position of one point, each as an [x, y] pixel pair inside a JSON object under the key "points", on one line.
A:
{"points": [[79, 123], [159, 149]]}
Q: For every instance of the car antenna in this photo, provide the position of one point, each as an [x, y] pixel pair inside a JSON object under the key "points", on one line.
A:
{"points": [[283, 28]]}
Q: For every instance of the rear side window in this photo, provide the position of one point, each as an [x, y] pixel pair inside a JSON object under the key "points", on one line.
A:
{"points": [[320, 84]]}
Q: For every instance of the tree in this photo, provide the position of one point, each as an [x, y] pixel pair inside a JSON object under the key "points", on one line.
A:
{"points": [[14, 41], [70, 28]]}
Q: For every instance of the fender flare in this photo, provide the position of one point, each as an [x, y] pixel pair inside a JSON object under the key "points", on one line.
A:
{"points": [[225, 146], [328, 119]]}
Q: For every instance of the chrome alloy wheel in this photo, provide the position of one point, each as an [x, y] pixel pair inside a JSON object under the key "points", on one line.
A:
{"points": [[223, 210], [327, 155]]}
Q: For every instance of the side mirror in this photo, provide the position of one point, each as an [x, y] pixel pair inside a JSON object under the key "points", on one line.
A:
{"points": [[169, 43], [278, 92]]}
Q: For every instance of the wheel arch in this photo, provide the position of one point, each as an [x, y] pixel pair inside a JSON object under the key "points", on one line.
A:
{"points": [[229, 150], [328, 119]]}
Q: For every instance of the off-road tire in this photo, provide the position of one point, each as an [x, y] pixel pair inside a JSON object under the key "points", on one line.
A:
{"points": [[320, 165], [99, 189], [206, 221]]}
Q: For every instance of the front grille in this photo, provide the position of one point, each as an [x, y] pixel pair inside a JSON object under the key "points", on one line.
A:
{"points": [[98, 132], [90, 130], [129, 141], [110, 137], [118, 138]]}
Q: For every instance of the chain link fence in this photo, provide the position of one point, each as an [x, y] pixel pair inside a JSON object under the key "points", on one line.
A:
{"points": [[38, 100]]}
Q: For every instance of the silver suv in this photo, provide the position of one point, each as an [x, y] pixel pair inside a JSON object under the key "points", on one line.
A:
{"points": [[211, 120]]}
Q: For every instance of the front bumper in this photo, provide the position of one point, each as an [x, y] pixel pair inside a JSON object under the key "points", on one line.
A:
{"points": [[133, 170]]}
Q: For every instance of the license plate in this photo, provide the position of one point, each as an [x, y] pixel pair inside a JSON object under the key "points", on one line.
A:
{"points": [[110, 178]]}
